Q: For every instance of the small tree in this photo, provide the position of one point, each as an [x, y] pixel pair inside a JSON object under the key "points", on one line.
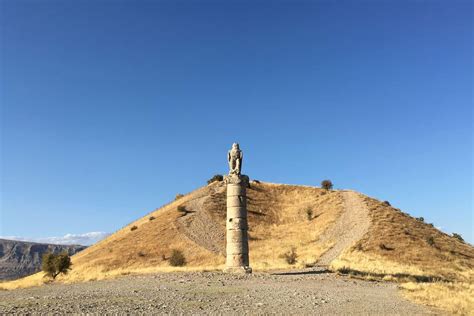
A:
{"points": [[458, 237], [430, 240], [309, 213], [53, 264], [326, 184], [177, 258], [217, 177]]}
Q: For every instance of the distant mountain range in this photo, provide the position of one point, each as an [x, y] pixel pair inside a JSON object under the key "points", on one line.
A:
{"points": [[20, 258]]}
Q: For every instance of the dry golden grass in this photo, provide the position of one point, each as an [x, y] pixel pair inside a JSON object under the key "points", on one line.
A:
{"points": [[29, 281], [453, 297], [277, 220], [286, 225], [396, 247], [401, 248]]}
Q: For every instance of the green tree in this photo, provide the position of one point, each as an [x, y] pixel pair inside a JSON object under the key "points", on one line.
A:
{"points": [[326, 184], [54, 264]]}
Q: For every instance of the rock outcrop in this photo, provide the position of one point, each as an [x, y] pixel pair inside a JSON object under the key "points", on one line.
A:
{"points": [[20, 258]]}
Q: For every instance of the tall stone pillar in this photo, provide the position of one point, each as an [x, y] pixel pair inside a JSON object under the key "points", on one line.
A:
{"points": [[237, 247]]}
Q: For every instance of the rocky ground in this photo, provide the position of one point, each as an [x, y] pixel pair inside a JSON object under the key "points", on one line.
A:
{"points": [[298, 292]]}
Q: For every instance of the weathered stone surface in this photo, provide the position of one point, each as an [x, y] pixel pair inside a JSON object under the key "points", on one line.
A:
{"points": [[236, 211], [236, 201], [237, 247], [237, 260], [237, 223], [236, 190], [237, 236], [235, 179]]}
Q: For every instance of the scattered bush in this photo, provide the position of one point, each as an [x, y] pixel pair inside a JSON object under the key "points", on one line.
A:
{"points": [[182, 208], [53, 264], [256, 181], [151, 218], [290, 256], [141, 254], [421, 219], [163, 257], [458, 237], [134, 227], [177, 258], [178, 196], [430, 241], [326, 184], [359, 247], [387, 203], [215, 178], [309, 213]]}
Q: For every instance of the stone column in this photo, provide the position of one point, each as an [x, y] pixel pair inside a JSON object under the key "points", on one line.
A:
{"points": [[237, 248]]}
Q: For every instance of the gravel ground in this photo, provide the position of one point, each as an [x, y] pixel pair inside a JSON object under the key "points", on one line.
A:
{"points": [[300, 292]]}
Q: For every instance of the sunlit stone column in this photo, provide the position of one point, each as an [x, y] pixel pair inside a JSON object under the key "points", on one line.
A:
{"points": [[237, 247]]}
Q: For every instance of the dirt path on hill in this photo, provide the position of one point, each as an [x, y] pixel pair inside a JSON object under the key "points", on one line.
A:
{"points": [[199, 226], [304, 292], [350, 227]]}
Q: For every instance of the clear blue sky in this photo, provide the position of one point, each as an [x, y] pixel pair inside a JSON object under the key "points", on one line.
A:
{"points": [[110, 108]]}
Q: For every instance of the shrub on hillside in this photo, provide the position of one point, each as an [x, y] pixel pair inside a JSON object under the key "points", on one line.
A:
{"points": [[182, 208], [309, 213], [141, 254], [134, 227], [430, 240], [53, 264], [290, 256], [326, 184], [151, 218], [178, 196], [217, 177], [177, 258], [387, 203], [458, 237], [421, 219]]}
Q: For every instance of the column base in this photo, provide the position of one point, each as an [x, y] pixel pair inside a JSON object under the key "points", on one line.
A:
{"points": [[239, 270]]}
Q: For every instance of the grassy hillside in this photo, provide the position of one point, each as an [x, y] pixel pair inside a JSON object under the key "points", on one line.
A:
{"points": [[392, 246], [195, 224], [433, 267]]}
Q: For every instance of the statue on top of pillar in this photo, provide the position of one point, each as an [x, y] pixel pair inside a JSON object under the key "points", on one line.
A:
{"points": [[235, 157]]}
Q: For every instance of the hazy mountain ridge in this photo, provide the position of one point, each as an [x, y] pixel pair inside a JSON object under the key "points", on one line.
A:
{"points": [[21, 258]]}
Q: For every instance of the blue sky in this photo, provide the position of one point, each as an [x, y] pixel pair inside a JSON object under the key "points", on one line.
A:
{"points": [[110, 108]]}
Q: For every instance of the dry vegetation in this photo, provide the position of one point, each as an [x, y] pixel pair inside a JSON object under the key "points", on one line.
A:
{"points": [[427, 261], [432, 267], [277, 217]]}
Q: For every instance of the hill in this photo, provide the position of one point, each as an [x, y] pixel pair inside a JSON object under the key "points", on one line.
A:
{"points": [[343, 230], [20, 258]]}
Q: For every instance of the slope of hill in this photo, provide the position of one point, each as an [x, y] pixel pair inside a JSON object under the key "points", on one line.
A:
{"points": [[278, 220], [20, 258], [345, 230]]}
